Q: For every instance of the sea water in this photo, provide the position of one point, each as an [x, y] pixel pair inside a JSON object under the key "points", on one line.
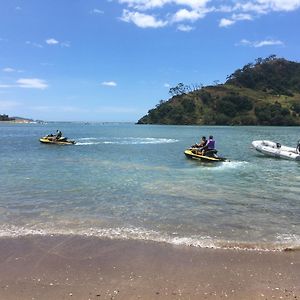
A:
{"points": [[127, 181]]}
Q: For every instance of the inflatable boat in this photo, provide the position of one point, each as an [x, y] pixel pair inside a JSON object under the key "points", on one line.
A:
{"points": [[273, 149], [210, 156]]}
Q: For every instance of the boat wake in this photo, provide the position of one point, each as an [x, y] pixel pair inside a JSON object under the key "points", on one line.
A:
{"points": [[124, 141]]}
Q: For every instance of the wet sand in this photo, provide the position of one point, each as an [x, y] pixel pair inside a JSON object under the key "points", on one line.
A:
{"points": [[67, 267]]}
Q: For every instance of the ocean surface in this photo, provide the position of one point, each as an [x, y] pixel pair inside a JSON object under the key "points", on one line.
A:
{"points": [[133, 182]]}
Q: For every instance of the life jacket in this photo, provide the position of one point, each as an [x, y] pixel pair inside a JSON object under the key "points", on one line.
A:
{"points": [[210, 144]]}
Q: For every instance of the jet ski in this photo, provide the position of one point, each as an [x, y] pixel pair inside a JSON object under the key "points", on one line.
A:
{"points": [[209, 156], [273, 149], [52, 139]]}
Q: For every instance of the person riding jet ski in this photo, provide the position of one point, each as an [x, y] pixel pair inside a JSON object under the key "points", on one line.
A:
{"points": [[209, 146], [58, 134]]}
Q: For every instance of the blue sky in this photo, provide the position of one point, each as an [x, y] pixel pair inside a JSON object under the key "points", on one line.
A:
{"points": [[92, 60]]}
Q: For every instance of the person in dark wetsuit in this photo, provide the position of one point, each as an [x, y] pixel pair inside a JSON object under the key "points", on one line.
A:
{"points": [[298, 147], [58, 134]]}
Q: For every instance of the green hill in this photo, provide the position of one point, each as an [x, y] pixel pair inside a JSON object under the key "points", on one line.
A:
{"points": [[266, 92]]}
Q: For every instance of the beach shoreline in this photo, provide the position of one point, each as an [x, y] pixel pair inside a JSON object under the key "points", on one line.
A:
{"points": [[74, 267]]}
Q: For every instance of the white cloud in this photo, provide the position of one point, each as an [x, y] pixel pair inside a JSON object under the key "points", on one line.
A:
{"points": [[52, 41], [187, 15], [268, 43], [142, 20], [235, 18], [226, 22], [167, 85], [280, 5], [32, 83], [152, 4], [267, 6], [193, 10], [258, 44], [185, 28], [145, 4], [242, 17], [109, 83]]}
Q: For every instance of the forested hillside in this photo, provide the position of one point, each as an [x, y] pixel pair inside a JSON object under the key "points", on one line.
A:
{"points": [[266, 92]]}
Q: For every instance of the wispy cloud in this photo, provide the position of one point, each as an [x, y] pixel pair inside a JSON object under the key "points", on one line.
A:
{"points": [[109, 83], [8, 70], [52, 41], [96, 11], [36, 45], [66, 44], [11, 70], [185, 28], [258, 44], [29, 83], [32, 83], [6, 86], [235, 18]]}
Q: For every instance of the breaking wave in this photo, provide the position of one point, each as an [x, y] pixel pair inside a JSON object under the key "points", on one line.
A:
{"points": [[282, 243]]}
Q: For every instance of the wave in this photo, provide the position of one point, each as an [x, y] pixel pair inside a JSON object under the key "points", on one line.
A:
{"points": [[282, 243], [124, 141]]}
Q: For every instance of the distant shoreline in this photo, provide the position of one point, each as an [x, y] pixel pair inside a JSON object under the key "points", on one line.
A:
{"points": [[22, 121]]}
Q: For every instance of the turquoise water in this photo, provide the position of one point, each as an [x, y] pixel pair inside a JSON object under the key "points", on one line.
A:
{"points": [[134, 182]]}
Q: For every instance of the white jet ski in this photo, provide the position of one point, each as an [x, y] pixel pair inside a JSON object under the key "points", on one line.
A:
{"points": [[277, 150]]}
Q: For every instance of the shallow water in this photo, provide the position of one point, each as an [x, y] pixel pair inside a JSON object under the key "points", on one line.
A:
{"points": [[133, 181]]}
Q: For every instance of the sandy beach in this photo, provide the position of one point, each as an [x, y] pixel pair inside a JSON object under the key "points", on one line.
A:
{"points": [[72, 267]]}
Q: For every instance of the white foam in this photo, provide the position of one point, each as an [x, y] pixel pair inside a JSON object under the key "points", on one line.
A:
{"points": [[124, 141], [127, 233], [87, 143], [134, 233], [88, 139], [230, 165], [290, 241]]}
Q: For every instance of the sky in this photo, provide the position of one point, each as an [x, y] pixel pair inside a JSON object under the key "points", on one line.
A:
{"points": [[113, 60]]}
